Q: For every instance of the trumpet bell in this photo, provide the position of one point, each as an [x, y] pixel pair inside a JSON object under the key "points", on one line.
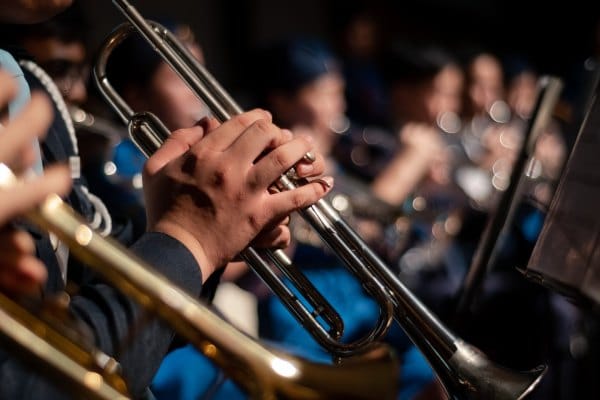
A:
{"points": [[473, 367]]}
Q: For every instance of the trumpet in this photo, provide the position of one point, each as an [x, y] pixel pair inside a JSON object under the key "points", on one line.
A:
{"points": [[464, 371], [262, 372]]}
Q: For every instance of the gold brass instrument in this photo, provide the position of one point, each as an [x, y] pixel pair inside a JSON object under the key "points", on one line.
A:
{"points": [[464, 371], [59, 353], [263, 373]]}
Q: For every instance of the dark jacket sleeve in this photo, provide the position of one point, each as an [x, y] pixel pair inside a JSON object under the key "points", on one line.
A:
{"points": [[112, 316]]}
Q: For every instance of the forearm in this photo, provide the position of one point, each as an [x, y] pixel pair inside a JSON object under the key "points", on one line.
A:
{"points": [[401, 176]]}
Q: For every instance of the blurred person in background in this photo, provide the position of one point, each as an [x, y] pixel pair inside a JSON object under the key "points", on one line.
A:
{"points": [[360, 44], [486, 170], [426, 84], [59, 47], [305, 92]]}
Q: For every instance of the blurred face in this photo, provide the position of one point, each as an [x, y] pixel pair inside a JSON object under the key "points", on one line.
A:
{"points": [[522, 93], [446, 92], [65, 63], [486, 85], [30, 11], [171, 100], [320, 104]]}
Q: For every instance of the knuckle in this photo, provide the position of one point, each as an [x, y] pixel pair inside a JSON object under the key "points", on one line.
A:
{"points": [[149, 168], [219, 176], [285, 238], [280, 160], [255, 222], [303, 141], [298, 200], [263, 126], [248, 118], [240, 122]]}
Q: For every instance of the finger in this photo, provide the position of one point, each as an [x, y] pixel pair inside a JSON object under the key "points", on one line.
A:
{"points": [[221, 138], [305, 169], [257, 142], [277, 238], [209, 124], [18, 259], [23, 275], [32, 122], [176, 144], [8, 88], [284, 203], [12, 239], [22, 197], [268, 169], [276, 222]]}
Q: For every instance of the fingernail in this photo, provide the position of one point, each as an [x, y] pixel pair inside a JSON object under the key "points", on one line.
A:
{"points": [[309, 138], [287, 133], [303, 170], [327, 181]]}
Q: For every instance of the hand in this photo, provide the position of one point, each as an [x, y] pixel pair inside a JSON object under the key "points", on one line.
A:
{"points": [[208, 186], [20, 271], [411, 165], [277, 234], [421, 137]]}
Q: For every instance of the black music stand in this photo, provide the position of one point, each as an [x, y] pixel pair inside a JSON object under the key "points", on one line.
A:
{"points": [[487, 249], [566, 256]]}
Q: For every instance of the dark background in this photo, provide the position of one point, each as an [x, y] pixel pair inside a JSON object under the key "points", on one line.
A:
{"points": [[555, 38]]}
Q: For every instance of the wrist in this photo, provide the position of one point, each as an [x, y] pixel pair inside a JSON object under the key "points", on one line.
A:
{"points": [[187, 239]]}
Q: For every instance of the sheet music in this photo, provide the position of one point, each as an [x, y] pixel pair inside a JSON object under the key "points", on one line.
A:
{"points": [[567, 253]]}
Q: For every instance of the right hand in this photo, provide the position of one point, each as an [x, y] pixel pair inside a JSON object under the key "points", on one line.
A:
{"points": [[208, 186], [20, 271]]}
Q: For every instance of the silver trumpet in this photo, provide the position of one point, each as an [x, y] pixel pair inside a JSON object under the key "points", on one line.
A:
{"points": [[263, 373], [464, 371]]}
